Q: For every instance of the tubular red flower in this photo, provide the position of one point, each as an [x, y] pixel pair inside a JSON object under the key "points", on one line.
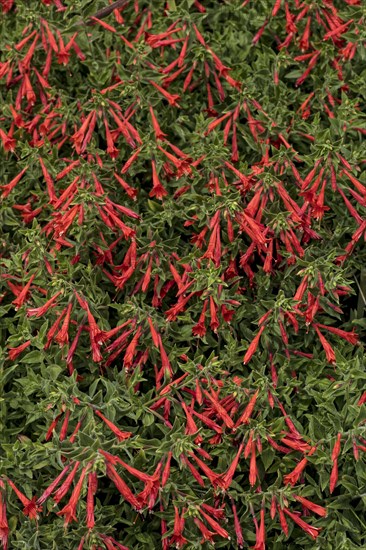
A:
{"points": [[293, 477], [31, 508], [45, 495], [220, 410], [215, 479], [62, 337], [62, 490], [253, 346], [206, 533], [4, 527], [237, 526], [171, 98], [244, 418], [121, 436], [166, 471], [122, 486], [14, 352], [159, 135], [283, 521], [7, 189], [227, 478], [329, 352], [309, 529], [23, 295], [215, 525], [253, 471], [351, 337], [52, 427], [334, 472], [92, 489], [316, 508], [93, 333], [40, 311], [69, 511], [177, 537], [158, 190], [260, 542]]}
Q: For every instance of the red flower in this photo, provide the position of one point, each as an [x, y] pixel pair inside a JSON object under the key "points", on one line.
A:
{"points": [[206, 533], [351, 337], [4, 528], [227, 478], [14, 352], [69, 511], [53, 485], [276, 7], [215, 479], [62, 490], [9, 142], [329, 352], [293, 477], [77, 428], [253, 471], [111, 543], [7, 189], [31, 508], [260, 543], [158, 190], [40, 311], [335, 454], [121, 436], [178, 529], [253, 346], [166, 471], [22, 297], [122, 486], [193, 470], [171, 98], [150, 492], [244, 418], [200, 329], [362, 399], [82, 136], [52, 427], [273, 507], [283, 521], [154, 334], [130, 161], [92, 489], [159, 135], [237, 526], [215, 525], [316, 508], [220, 410], [94, 331], [191, 427], [301, 289], [336, 32], [214, 323], [131, 350], [309, 529], [63, 53], [111, 149], [62, 337]]}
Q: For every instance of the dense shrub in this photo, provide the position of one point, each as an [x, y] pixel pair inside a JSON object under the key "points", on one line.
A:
{"points": [[183, 195]]}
